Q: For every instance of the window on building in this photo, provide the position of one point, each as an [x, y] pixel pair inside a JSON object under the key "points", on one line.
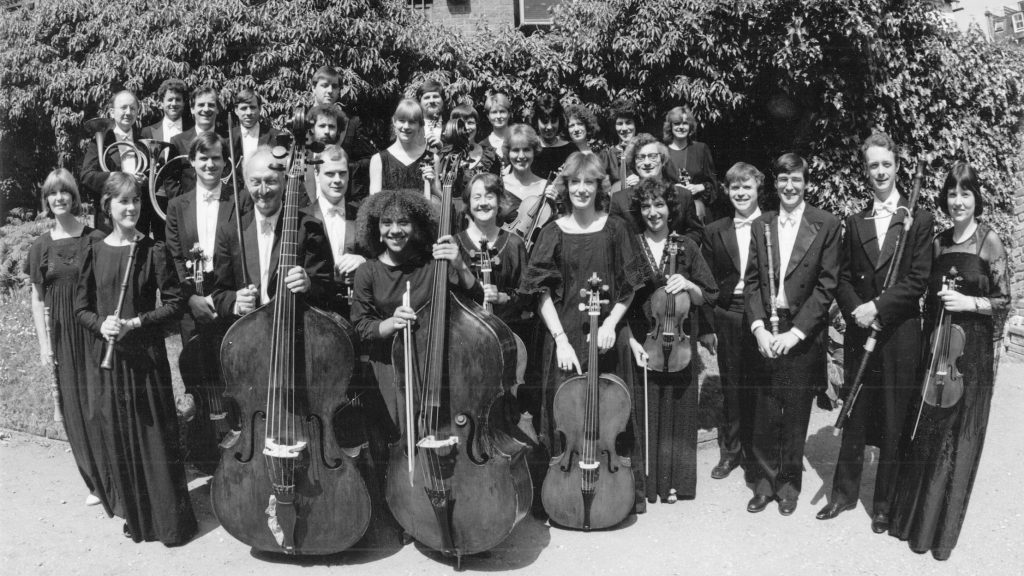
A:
{"points": [[419, 3], [534, 12], [1018, 22]]}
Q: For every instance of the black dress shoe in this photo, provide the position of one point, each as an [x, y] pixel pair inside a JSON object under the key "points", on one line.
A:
{"points": [[833, 509], [724, 468], [880, 523], [758, 503], [786, 507]]}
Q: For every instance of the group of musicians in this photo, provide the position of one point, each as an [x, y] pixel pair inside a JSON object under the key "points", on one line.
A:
{"points": [[759, 287]]}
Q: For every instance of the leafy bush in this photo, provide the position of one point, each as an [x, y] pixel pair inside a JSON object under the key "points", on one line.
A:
{"points": [[15, 240]]}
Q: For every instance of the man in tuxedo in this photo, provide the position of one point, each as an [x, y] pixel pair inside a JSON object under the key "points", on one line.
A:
{"points": [[250, 133], [124, 111], [235, 295], [790, 332], [205, 108], [194, 220], [652, 166], [326, 89], [726, 333], [172, 101], [891, 379], [328, 208]]}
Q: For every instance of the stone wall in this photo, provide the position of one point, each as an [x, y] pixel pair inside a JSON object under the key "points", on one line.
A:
{"points": [[1015, 331]]}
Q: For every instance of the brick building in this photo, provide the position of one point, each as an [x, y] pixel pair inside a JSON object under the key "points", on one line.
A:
{"points": [[466, 15], [1008, 26]]}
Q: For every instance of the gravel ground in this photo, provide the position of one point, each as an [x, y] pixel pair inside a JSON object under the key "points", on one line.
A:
{"points": [[47, 529]]}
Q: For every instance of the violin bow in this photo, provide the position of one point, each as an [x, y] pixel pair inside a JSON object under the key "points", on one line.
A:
{"points": [[647, 428], [246, 280], [410, 429]]}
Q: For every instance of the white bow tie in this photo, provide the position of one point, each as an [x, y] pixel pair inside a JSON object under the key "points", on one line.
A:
{"points": [[266, 227], [787, 220], [335, 211], [743, 222]]}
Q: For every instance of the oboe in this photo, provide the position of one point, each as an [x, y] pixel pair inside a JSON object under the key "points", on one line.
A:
{"points": [[774, 319], [54, 382], [108, 352]]}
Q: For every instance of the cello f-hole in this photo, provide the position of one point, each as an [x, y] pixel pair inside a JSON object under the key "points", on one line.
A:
{"points": [[259, 414], [316, 422]]}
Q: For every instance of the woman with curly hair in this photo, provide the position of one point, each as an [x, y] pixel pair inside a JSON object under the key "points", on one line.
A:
{"points": [[581, 125], [399, 229], [692, 162], [622, 122], [584, 242], [672, 397]]}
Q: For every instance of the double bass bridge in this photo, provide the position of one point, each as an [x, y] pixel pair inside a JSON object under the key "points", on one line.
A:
{"points": [[274, 450]]}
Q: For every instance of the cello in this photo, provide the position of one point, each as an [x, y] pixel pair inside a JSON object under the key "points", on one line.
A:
{"points": [[943, 383], [198, 364], [287, 486], [667, 345], [589, 485], [459, 483]]}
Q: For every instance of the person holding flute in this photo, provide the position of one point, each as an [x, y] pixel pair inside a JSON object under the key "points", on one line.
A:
{"points": [[790, 282], [116, 301]]}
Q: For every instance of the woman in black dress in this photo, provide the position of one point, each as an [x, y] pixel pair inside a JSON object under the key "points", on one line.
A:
{"points": [[401, 165], [692, 163], [53, 264], [549, 120], [145, 477], [499, 113], [671, 397], [584, 242], [622, 122], [938, 466]]}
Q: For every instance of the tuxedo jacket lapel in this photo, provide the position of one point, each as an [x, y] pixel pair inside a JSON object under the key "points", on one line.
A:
{"points": [[728, 234], [252, 253], [804, 238], [866, 233], [774, 230]]}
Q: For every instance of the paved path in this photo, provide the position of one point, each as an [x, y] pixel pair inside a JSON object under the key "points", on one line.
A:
{"points": [[46, 529]]}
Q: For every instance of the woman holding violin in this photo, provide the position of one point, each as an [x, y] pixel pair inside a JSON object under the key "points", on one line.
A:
{"points": [[680, 281], [144, 481], [569, 251], [970, 284]]}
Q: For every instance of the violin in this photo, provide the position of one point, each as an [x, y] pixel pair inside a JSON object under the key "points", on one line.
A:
{"points": [[459, 482], [667, 344], [289, 487], [533, 213], [199, 367], [698, 203], [589, 485], [944, 383]]}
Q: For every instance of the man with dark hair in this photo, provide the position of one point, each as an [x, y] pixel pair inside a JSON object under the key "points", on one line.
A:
{"points": [[891, 378], [430, 95], [250, 133], [800, 273], [171, 94], [205, 107], [194, 221]]}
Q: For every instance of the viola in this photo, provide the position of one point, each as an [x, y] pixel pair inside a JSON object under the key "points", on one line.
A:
{"points": [[944, 383], [667, 344], [589, 485], [287, 486], [459, 482], [198, 365]]}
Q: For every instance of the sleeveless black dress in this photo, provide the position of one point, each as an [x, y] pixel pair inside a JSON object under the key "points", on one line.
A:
{"points": [[938, 467]]}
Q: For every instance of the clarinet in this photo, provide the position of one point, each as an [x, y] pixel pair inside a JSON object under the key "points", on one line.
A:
{"points": [[771, 280], [108, 352]]}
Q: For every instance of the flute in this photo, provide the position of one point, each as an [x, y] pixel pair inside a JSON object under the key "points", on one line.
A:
{"points": [[54, 382], [774, 319], [108, 351]]}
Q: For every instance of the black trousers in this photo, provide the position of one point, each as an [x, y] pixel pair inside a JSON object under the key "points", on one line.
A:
{"points": [[785, 392], [737, 360], [879, 415]]}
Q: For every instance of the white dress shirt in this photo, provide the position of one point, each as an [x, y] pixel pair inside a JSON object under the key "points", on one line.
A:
{"points": [[334, 224], [171, 128], [265, 227], [742, 227], [128, 159], [250, 140], [789, 225], [207, 207], [881, 213]]}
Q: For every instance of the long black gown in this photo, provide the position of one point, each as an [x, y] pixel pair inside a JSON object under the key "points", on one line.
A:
{"points": [[561, 263], [53, 266], [671, 398], [144, 480], [938, 467]]}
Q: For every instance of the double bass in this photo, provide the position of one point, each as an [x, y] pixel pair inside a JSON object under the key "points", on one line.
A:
{"points": [[667, 345], [287, 486], [589, 485], [459, 483]]}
